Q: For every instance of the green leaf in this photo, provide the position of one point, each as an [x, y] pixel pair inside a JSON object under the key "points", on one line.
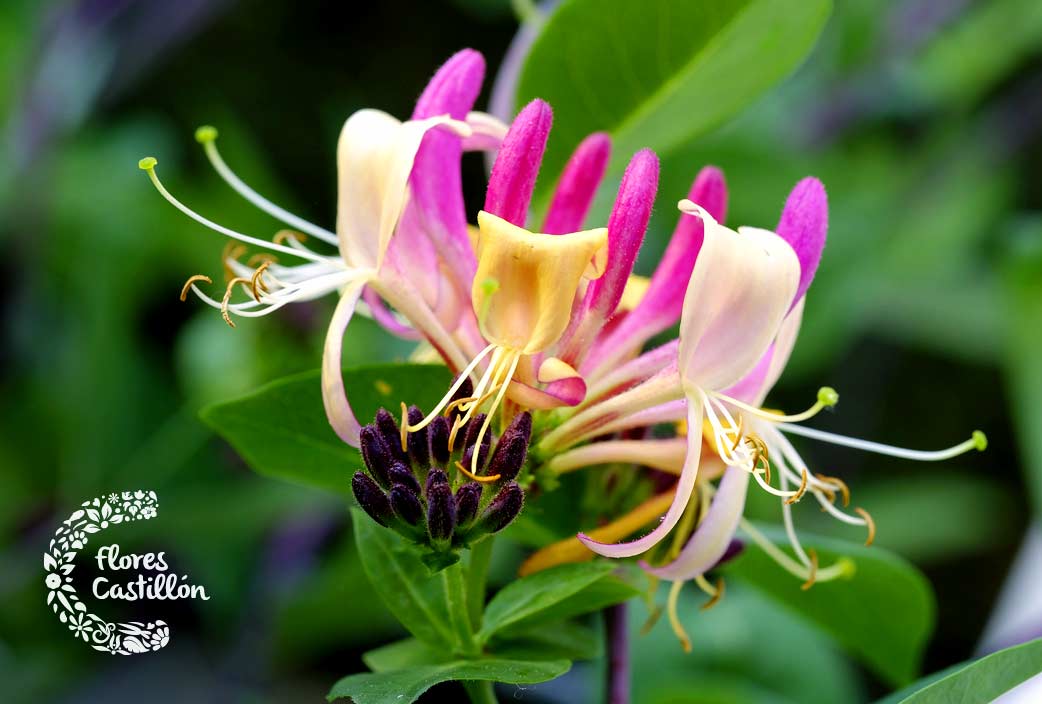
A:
{"points": [[882, 615], [281, 429], [403, 582], [660, 73], [401, 654], [402, 686], [530, 595], [567, 640], [980, 681]]}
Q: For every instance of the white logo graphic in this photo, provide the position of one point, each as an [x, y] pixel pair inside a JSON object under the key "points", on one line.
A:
{"points": [[94, 516]]}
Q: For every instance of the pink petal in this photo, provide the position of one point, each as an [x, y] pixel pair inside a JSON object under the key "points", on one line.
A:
{"points": [[435, 180], [334, 395], [513, 175], [804, 224], [663, 301], [386, 319], [578, 185], [713, 536], [685, 487]]}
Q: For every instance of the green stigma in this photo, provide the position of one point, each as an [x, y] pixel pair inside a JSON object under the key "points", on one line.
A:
{"points": [[980, 440], [827, 396], [148, 163], [206, 133]]}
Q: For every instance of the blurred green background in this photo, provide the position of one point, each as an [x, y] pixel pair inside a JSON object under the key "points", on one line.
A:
{"points": [[922, 117]]}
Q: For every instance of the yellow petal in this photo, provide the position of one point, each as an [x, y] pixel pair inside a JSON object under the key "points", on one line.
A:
{"points": [[525, 282], [554, 369]]}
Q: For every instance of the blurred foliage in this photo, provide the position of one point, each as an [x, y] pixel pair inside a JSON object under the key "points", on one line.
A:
{"points": [[921, 116]]}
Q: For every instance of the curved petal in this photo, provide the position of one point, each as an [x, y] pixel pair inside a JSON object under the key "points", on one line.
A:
{"points": [[783, 344], [713, 536], [486, 132], [740, 290], [685, 487], [375, 155], [334, 395]]}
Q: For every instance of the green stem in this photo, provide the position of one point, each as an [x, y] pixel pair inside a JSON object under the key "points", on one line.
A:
{"points": [[477, 575], [456, 599], [480, 691]]}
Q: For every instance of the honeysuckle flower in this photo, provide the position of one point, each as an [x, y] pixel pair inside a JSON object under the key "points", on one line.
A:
{"points": [[401, 231], [740, 317], [535, 294]]}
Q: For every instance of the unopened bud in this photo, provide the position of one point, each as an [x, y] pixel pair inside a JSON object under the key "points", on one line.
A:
{"points": [[503, 509], [438, 431], [435, 476], [406, 504], [375, 453], [372, 499], [388, 428], [441, 512], [512, 448], [419, 450], [401, 474], [468, 499]]}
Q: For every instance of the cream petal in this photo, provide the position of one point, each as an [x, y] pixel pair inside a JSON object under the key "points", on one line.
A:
{"points": [[685, 487], [714, 533], [375, 155], [334, 395], [740, 290], [783, 344]]}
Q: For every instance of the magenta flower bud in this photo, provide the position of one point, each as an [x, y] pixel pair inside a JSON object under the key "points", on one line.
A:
{"points": [[626, 228], [388, 428], [435, 181], [468, 500], [804, 223], [503, 509], [513, 175], [406, 504], [512, 448], [662, 303], [375, 453], [400, 474], [438, 431], [441, 512], [578, 185], [435, 476], [371, 498], [419, 449]]}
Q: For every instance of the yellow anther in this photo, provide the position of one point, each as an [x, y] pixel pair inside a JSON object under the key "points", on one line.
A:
{"points": [[256, 281], [812, 569], [718, 594], [283, 235], [475, 477], [148, 163], [674, 618], [838, 483], [231, 253], [738, 433], [227, 299], [260, 258], [205, 133], [188, 284], [799, 492], [869, 523]]}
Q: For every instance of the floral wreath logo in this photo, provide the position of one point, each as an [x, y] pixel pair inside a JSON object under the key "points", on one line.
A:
{"points": [[94, 516]]}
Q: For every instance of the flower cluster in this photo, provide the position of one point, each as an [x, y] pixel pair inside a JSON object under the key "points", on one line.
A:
{"points": [[549, 320], [417, 483]]}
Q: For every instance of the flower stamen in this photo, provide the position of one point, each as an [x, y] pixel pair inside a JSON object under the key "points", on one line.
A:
{"points": [[715, 593], [674, 619], [871, 524], [812, 568], [799, 492], [191, 280]]}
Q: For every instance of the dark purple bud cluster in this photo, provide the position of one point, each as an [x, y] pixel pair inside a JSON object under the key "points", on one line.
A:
{"points": [[421, 493]]}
